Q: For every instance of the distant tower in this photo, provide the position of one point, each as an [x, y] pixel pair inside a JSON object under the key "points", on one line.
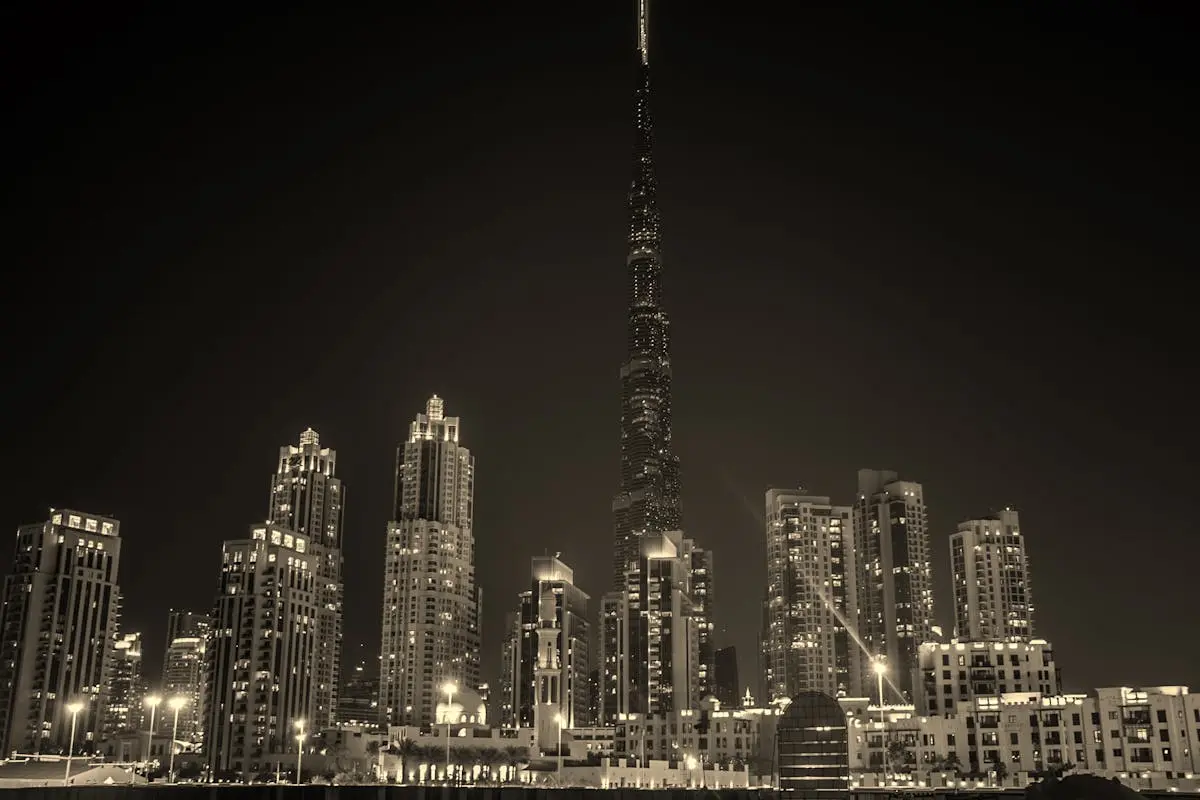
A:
{"points": [[807, 644], [430, 631], [993, 599], [725, 670], [894, 574], [308, 498], [648, 500], [59, 622], [125, 685]]}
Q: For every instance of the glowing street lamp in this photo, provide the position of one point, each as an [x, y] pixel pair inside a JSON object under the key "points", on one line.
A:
{"points": [[691, 765], [152, 701], [175, 703], [449, 687], [880, 670], [73, 709], [300, 737]]}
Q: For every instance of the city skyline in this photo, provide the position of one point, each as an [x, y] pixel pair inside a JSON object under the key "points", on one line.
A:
{"points": [[906, 275]]}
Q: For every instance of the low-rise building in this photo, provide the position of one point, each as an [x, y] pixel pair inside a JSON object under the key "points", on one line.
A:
{"points": [[708, 734], [958, 671]]}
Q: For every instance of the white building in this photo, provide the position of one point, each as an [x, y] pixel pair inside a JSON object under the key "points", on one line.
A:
{"points": [[431, 602], [957, 672], [708, 734], [993, 598], [809, 597]]}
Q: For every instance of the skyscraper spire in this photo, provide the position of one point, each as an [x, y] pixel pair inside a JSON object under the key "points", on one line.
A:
{"points": [[648, 501]]}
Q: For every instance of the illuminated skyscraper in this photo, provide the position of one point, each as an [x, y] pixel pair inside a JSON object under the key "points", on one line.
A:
{"points": [[807, 645], [125, 686], [648, 500], [308, 498], [894, 575], [992, 596], [57, 631], [430, 631]]}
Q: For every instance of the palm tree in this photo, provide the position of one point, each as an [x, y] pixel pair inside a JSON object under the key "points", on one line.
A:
{"points": [[951, 763], [491, 757], [896, 755], [406, 750], [514, 755], [1000, 769]]}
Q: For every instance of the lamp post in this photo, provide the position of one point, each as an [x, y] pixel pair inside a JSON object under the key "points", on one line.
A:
{"points": [[559, 719], [300, 737], [880, 670], [175, 703], [449, 687], [74, 709], [152, 701], [691, 765]]}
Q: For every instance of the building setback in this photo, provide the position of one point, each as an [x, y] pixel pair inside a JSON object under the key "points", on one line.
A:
{"points": [[59, 618], [431, 603]]}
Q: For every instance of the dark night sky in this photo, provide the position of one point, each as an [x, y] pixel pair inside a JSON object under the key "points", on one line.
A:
{"points": [[947, 240]]}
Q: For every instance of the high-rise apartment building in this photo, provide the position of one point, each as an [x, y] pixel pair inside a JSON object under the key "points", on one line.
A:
{"points": [[192, 624], [59, 619], [648, 500], [307, 497], [551, 661], [808, 638], [431, 603], [510, 649], [183, 669], [993, 599], [262, 652], [649, 637], [123, 712], [894, 575], [702, 611], [183, 676]]}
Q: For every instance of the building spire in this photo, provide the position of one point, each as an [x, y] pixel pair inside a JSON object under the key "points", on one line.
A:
{"points": [[648, 501], [644, 31]]}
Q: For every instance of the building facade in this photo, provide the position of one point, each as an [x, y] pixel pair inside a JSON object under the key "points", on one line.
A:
{"points": [[894, 585], [810, 608], [552, 659], [648, 499], [308, 498], [126, 687], [649, 638], [192, 624], [709, 733], [183, 676], [358, 701], [59, 621], [510, 647], [261, 655], [431, 603], [952, 673], [993, 598]]}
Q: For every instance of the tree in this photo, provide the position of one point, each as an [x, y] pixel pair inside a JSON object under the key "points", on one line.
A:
{"points": [[407, 751], [1001, 770], [896, 755], [951, 764], [491, 757]]}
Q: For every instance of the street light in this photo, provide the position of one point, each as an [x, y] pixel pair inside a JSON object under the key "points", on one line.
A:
{"points": [[691, 765], [880, 670], [449, 687], [153, 702], [561, 721], [175, 703], [74, 709], [300, 737]]}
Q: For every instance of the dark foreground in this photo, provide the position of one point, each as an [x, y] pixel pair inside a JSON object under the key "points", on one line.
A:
{"points": [[269, 792]]}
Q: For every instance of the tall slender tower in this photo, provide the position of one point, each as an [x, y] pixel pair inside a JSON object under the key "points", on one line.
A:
{"points": [[430, 631], [648, 501], [308, 498]]}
